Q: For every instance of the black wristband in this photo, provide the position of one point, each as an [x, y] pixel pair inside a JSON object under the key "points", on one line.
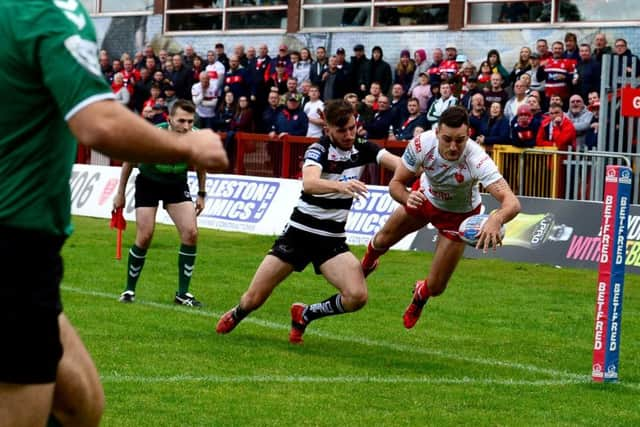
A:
{"points": [[202, 194]]}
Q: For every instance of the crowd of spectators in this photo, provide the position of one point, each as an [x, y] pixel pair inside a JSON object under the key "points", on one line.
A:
{"points": [[549, 97]]}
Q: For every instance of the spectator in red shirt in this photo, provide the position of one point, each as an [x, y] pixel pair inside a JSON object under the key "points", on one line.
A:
{"points": [[556, 130]]}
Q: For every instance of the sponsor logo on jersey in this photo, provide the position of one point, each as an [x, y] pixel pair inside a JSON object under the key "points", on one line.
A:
{"points": [[85, 52]]}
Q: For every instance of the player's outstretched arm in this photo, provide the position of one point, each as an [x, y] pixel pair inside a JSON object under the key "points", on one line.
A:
{"points": [[110, 128], [509, 205]]}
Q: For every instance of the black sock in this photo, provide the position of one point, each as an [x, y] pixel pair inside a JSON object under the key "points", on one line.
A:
{"points": [[329, 307], [239, 314]]}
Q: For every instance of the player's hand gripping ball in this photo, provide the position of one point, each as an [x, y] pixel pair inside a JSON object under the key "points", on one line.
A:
{"points": [[469, 230]]}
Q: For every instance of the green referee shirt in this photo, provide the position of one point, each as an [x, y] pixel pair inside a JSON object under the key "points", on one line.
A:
{"points": [[165, 173], [48, 72]]}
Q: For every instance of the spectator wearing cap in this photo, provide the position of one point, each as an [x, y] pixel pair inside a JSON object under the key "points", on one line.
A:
{"points": [[405, 68], [522, 66], [449, 65], [472, 89], [422, 66], [341, 61], [536, 85], [222, 57], [291, 120], [358, 76], [524, 128], [170, 97], [278, 80], [380, 70], [334, 81], [493, 58]]}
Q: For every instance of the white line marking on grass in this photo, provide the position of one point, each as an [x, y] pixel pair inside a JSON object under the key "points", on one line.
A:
{"points": [[290, 379], [570, 377]]}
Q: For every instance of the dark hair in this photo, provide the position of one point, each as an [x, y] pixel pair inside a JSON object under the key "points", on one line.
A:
{"points": [[184, 105], [496, 53], [454, 117], [571, 36], [337, 112]]}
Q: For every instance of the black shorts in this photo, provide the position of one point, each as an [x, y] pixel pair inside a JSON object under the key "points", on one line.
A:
{"points": [[150, 192], [31, 269], [299, 248]]}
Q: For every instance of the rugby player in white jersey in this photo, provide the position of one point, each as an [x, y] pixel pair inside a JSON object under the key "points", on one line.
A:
{"points": [[446, 193]]}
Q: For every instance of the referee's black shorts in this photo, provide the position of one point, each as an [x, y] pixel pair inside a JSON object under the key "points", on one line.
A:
{"points": [[150, 192], [299, 248], [31, 269]]}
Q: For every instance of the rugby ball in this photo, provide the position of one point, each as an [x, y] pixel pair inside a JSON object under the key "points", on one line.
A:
{"points": [[469, 230]]}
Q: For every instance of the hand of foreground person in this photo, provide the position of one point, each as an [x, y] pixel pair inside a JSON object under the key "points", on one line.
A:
{"points": [[207, 151]]}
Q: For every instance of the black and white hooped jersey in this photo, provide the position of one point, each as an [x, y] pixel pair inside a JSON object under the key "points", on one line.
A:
{"points": [[326, 214]]}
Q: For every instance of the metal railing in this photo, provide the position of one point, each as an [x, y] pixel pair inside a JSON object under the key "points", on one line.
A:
{"points": [[552, 173]]}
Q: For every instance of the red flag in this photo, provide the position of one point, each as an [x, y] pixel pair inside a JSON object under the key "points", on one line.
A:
{"points": [[118, 222]]}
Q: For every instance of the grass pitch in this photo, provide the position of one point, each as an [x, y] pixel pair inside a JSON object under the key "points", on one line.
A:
{"points": [[508, 344]]}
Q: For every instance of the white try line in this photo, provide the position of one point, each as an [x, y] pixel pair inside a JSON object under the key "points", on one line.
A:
{"points": [[567, 377]]}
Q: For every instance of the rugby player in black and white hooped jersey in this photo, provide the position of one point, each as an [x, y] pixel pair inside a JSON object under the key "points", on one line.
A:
{"points": [[447, 192], [316, 230]]}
